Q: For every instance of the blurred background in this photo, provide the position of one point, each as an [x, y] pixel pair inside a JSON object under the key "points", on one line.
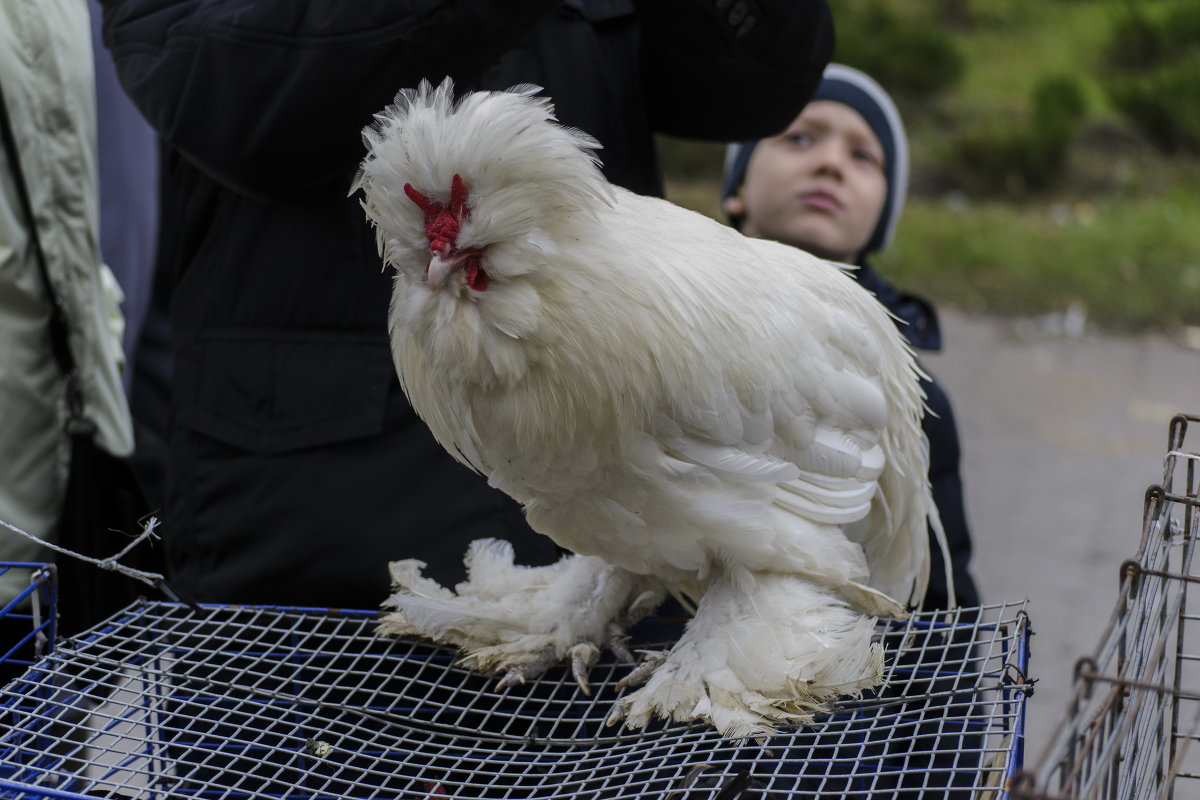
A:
{"points": [[1054, 219], [1055, 149]]}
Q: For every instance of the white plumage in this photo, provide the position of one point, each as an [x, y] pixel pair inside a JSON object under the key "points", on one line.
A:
{"points": [[691, 411]]}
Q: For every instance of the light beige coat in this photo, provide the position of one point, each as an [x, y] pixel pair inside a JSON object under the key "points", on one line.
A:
{"points": [[46, 69]]}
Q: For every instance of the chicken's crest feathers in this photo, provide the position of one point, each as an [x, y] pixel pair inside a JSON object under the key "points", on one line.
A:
{"points": [[523, 170]]}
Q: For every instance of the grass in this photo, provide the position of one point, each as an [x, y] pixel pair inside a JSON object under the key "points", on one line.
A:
{"points": [[1132, 264]]}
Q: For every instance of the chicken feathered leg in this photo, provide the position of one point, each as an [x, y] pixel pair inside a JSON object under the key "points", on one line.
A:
{"points": [[517, 621], [763, 651]]}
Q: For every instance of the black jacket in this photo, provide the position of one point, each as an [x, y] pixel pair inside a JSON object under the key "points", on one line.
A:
{"points": [[296, 468], [918, 321]]}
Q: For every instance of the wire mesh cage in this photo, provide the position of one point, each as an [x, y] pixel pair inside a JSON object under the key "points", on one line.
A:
{"points": [[1131, 724], [256, 702]]}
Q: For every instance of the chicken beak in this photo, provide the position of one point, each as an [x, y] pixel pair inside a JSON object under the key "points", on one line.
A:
{"points": [[446, 260], [438, 269]]}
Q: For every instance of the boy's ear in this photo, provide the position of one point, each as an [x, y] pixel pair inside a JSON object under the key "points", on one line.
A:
{"points": [[734, 206]]}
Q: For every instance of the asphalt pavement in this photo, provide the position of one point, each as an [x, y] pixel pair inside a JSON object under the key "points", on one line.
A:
{"points": [[1062, 431]]}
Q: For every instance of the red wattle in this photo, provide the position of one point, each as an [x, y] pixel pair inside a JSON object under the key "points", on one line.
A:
{"points": [[477, 279]]}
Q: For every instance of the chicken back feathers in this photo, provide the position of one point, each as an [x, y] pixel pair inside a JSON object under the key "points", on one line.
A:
{"points": [[689, 410]]}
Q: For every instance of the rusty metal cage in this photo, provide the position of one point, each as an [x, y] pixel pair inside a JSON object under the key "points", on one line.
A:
{"points": [[1132, 721]]}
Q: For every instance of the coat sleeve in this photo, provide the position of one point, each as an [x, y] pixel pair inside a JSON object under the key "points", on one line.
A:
{"points": [[270, 96], [732, 69]]}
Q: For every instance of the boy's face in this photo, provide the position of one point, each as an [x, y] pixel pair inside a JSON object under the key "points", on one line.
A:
{"points": [[819, 186]]}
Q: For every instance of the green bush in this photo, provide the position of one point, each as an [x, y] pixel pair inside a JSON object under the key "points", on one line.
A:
{"points": [[1003, 157], [995, 157], [1058, 106], [1153, 74], [1163, 103], [1136, 41], [913, 57]]}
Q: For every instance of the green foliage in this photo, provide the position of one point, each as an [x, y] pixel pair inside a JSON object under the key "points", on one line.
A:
{"points": [[1002, 156], [1058, 106], [1153, 73], [913, 57], [1164, 103], [994, 156], [1135, 42]]}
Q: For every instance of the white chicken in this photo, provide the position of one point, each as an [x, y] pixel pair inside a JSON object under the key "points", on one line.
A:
{"points": [[690, 411]]}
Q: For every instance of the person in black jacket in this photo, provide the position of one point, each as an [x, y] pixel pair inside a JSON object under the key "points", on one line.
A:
{"points": [[297, 470], [833, 183]]}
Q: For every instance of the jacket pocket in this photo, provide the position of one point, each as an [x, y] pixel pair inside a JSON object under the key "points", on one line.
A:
{"points": [[274, 392]]}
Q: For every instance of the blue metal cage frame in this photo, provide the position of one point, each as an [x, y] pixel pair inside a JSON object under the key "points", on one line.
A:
{"points": [[31, 618]]}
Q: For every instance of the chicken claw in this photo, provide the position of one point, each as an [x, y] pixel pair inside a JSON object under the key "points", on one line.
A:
{"points": [[514, 677], [642, 672], [583, 656], [618, 644]]}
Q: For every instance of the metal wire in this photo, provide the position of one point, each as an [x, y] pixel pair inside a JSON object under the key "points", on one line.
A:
{"points": [[1133, 710], [249, 702], [111, 563]]}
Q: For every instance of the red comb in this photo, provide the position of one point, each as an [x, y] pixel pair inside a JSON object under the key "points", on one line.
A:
{"points": [[442, 222]]}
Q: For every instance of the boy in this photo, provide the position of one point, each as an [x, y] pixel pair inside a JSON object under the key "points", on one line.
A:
{"points": [[833, 184]]}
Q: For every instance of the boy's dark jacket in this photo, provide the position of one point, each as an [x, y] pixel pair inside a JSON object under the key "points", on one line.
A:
{"points": [[918, 321], [297, 469]]}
